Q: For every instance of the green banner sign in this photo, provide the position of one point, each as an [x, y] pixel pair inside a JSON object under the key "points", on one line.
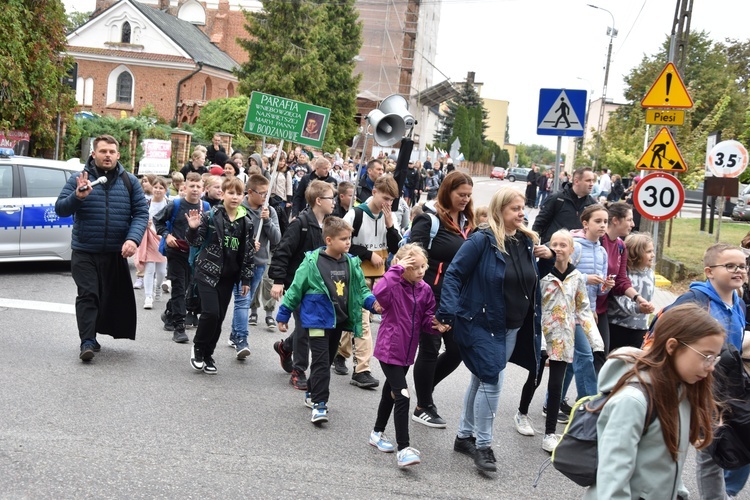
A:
{"points": [[281, 118]]}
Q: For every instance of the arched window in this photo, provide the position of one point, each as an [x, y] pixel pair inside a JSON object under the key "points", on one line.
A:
{"points": [[230, 90], [125, 38], [124, 87], [207, 90]]}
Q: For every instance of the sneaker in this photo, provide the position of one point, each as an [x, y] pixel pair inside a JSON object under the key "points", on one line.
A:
{"points": [[308, 400], [166, 286], [167, 320], [242, 349], [562, 418], [428, 416], [209, 366], [565, 407], [232, 341], [87, 351], [298, 380], [157, 293], [523, 425], [191, 320], [196, 359], [138, 284], [379, 441], [252, 320], [550, 442], [319, 413], [485, 460], [270, 323], [339, 365], [285, 358], [179, 335], [365, 380], [467, 446], [407, 456], [97, 347], [148, 303]]}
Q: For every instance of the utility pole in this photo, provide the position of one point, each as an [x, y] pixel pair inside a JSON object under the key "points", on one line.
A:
{"points": [[612, 32], [678, 46]]}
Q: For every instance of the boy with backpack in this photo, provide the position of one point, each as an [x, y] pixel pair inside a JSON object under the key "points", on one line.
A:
{"points": [[304, 234], [171, 224], [329, 290], [224, 236], [374, 236], [257, 189]]}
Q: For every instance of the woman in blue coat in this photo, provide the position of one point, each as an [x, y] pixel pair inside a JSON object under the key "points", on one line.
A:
{"points": [[491, 299]]}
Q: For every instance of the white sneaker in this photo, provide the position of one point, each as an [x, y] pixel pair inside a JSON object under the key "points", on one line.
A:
{"points": [[523, 425], [408, 456], [157, 293], [549, 443], [379, 441], [148, 303], [138, 283], [167, 286]]}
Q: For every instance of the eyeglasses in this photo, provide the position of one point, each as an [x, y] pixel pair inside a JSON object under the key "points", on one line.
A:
{"points": [[708, 360], [327, 197], [732, 268], [259, 194]]}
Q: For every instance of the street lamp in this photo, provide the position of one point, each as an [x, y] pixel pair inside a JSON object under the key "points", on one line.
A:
{"points": [[612, 32]]}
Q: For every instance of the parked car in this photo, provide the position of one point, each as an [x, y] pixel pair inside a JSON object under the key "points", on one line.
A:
{"points": [[30, 230], [517, 174], [695, 196], [741, 209], [497, 173]]}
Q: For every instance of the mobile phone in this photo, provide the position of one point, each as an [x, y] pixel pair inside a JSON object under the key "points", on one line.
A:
{"points": [[612, 276]]}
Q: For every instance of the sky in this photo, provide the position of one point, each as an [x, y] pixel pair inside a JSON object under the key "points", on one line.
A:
{"points": [[517, 47]]}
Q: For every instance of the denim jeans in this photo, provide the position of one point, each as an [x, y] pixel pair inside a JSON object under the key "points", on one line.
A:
{"points": [[583, 367], [540, 197], [481, 402], [242, 305], [735, 479]]}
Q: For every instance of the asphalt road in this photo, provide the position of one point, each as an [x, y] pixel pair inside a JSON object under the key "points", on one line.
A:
{"points": [[138, 422]]}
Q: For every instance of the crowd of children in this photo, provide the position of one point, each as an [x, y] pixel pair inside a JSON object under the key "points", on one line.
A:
{"points": [[342, 257]]}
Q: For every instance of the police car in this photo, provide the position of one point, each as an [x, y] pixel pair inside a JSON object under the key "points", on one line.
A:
{"points": [[30, 230]]}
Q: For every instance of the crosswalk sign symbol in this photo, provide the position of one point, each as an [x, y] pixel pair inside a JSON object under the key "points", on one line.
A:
{"points": [[662, 154], [561, 112], [668, 91]]}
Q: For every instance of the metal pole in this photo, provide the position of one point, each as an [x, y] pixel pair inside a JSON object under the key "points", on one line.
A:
{"points": [[612, 35], [57, 138], [270, 186], [557, 163]]}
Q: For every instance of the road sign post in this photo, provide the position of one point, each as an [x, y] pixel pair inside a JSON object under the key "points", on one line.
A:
{"points": [[561, 113]]}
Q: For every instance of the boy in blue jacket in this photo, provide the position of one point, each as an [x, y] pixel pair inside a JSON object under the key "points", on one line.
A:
{"points": [[330, 290]]}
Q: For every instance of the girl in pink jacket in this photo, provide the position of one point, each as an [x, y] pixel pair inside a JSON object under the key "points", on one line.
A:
{"points": [[408, 308]]}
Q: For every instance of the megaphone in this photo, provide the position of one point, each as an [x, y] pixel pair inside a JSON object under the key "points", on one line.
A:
{"points": [[391, 120]]}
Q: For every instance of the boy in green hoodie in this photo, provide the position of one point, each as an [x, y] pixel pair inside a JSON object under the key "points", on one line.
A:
{"points": [[330, 290]]}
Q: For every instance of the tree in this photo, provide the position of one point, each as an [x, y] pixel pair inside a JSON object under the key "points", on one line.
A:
{"points": [[467, 97], [304, 50], [226, 115], [32, 39], [75, 20]]}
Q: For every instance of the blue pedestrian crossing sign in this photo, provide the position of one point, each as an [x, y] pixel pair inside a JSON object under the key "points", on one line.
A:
{"points": [[561, 112]]}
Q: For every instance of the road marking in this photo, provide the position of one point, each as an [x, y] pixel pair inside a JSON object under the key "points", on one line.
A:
{"points": [[38, 305]]}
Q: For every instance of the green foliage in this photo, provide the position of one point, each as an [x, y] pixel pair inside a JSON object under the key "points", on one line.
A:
{"points": [[469, 98], [535, 153], [226, 115], [81, 129], [75, 20], [304, 50], [32, 38]]}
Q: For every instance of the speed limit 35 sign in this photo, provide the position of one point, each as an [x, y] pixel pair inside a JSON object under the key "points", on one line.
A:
{"points": [[659, 196]]}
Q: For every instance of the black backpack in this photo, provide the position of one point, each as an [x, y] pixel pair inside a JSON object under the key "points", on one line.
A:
{"points": [[576, 455]]}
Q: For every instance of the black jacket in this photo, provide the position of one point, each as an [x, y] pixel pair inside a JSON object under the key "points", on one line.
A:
{"points": [[298, 201], [364, 191], [304, 234], [559, 211]]}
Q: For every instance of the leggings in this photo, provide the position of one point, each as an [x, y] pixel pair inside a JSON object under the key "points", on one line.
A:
{"points": [[395, 385], [431, 368], [158, 268], [532, 382]]}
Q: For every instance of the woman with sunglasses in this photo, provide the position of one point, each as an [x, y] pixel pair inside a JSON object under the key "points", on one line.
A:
{"points": [[660, 402]]}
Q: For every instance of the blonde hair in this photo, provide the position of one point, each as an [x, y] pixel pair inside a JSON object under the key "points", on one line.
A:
{"points": [[636, 244], [714, 251], [483, 211], [411, 249], [501, 199], [211, 180], [564, 233]]}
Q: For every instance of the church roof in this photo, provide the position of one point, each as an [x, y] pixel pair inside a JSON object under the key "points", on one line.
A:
{"points": [[189, 37]]}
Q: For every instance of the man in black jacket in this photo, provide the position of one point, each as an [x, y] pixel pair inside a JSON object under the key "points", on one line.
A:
{"points": [[375, 169], [320, 173], [562, 210]]}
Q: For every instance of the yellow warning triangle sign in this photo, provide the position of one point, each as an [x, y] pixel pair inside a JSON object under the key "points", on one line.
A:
{"points": [[662, 154], [668, 91]]}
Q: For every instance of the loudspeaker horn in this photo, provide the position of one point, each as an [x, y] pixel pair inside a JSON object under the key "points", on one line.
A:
{"points": [[391, 120]]}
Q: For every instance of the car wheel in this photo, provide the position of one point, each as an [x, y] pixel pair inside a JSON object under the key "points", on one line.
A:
{"points": [[512, 178]]}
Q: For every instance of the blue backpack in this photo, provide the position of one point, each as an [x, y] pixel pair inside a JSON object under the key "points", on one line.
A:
{"points": [[434, 227]]}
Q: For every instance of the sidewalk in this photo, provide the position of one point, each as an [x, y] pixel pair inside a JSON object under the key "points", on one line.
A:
{"points": [[663, 298]]}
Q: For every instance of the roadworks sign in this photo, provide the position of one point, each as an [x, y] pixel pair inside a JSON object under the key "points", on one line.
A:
{"points": [[662, 154]]}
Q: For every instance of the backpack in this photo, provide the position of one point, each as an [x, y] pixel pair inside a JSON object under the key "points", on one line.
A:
{"points": [[576, 455], [434, 227], [170, 223]]}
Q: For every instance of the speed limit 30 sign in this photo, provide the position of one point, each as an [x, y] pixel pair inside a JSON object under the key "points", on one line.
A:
{"points": [[659, 196]]}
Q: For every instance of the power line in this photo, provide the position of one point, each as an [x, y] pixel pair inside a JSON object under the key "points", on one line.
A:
{"points": [[635, 21]]}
